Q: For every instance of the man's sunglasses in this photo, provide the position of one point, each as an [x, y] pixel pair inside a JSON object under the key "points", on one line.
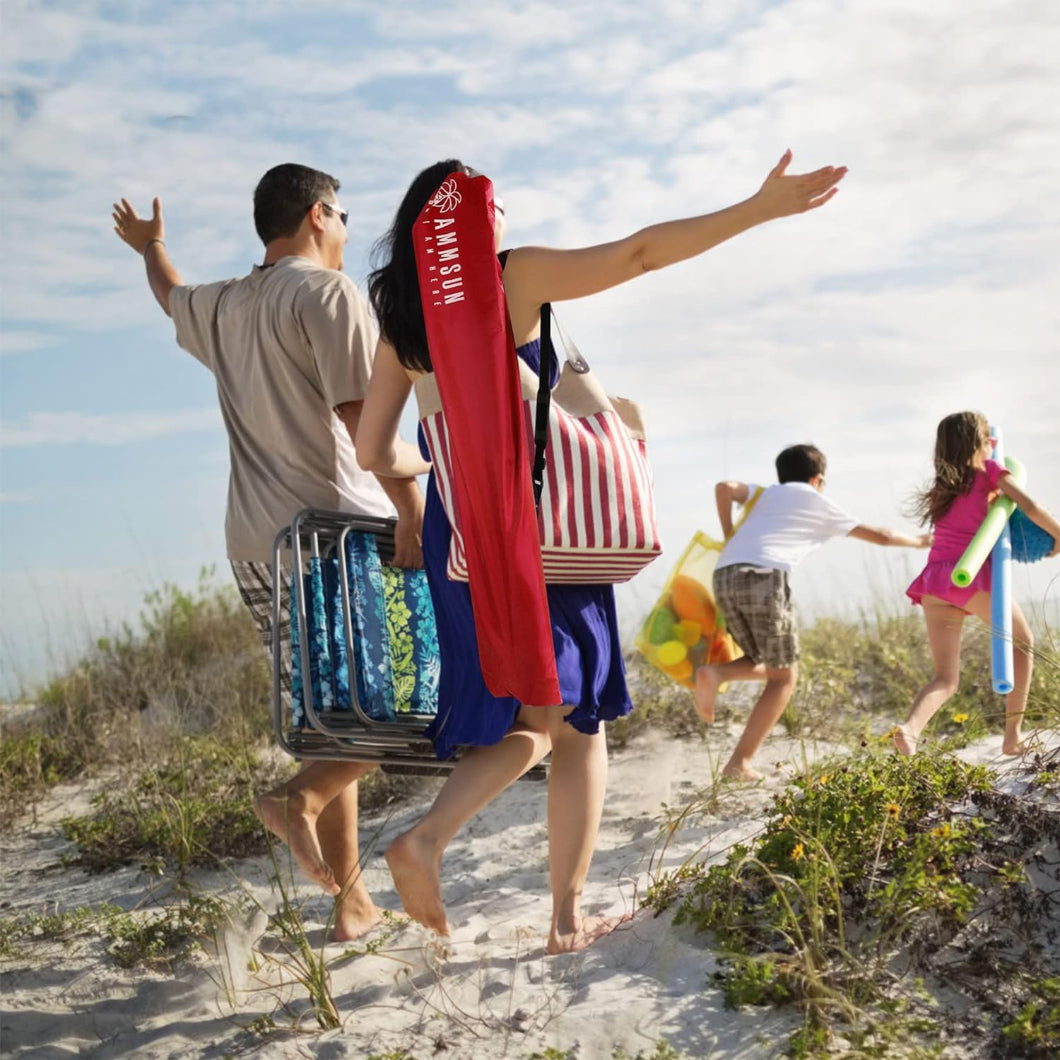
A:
{"points": [[344, 215]]}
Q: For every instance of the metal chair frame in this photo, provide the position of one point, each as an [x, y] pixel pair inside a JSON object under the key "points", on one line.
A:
{"points": [[397, 746]]}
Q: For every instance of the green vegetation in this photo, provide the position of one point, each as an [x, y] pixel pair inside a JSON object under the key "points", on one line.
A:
{"points": [[156, 938], [193, 808], [195, 665], [869, 873]]}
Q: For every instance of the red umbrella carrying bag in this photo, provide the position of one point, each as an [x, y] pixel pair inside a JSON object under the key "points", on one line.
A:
{"points": [[480, 435]]}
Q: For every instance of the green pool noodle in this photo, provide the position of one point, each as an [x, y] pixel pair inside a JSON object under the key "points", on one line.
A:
{"points": [[975, 555]]}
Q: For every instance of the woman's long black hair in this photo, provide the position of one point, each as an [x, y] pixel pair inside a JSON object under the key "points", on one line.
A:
{"points": [[393, 287]]}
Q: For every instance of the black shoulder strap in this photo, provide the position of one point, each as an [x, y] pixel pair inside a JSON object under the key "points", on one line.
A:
{"points": [[544, 400]]}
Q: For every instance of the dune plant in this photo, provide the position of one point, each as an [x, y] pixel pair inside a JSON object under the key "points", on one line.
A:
{"points": [[192, 808], [871, 870], [192, 664], [156, 937]]}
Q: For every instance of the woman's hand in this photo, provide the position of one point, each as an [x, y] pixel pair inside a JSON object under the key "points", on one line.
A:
{"points": [[781, 195]]}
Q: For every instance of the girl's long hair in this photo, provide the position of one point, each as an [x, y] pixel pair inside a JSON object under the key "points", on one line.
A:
{"points": [[958, 439], [393, 287]]}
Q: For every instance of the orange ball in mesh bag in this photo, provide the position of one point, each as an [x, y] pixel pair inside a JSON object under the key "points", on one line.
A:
{"points": [[722, 649], [691, 601], [681, 671]]}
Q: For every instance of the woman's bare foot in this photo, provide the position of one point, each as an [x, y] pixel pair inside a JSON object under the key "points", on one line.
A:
{"points": [[708, 681], [904, 740], [416, 873], [1014, 746], [293, 826], [352, 923], [582, 932]]}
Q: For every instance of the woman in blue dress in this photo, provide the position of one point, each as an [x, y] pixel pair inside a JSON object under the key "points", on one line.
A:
{"points": [[502, 738]]}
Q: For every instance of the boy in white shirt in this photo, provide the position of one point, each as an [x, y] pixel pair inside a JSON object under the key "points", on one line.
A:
{"points": [[787, 523]]}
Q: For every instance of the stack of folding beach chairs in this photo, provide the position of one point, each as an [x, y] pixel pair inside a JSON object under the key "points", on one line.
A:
{"points": [[363, 646]]}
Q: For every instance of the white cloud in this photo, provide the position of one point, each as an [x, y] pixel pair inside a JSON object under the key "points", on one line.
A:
{"points": [[80, 428]]}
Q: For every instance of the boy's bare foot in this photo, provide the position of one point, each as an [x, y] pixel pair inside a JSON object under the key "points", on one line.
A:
{"points": [[707, 682], [351, 924], [1014, 746], [298, 830], [582, 933], [415, 871], [904, 740], [740, 771]]}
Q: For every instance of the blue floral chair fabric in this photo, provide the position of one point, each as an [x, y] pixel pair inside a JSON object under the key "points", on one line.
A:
{"points": [[395, 639]]}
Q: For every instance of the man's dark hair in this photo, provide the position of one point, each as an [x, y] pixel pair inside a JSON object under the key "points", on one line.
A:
{"points": [[284, 195], [800, 463]]}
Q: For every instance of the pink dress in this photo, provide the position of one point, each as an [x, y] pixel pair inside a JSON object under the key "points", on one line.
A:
{"points": [[952, 534]]}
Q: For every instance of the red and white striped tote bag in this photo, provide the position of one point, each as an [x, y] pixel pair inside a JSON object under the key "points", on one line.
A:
{"points": [[597, 512]]}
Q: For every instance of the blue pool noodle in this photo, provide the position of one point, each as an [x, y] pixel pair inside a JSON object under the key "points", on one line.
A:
{"points": [[1002, 670]]}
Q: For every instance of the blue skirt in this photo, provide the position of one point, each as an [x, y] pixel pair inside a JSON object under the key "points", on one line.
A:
{"points": [[592, 674]]}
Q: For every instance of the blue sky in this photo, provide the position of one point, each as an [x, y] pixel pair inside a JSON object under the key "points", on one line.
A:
{"points": [[931, 283]]}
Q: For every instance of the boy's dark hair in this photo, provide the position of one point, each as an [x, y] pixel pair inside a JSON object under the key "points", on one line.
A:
{"points": [[285, 194], [800, 463]]}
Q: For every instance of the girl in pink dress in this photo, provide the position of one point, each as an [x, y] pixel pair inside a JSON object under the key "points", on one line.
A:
{"points": [[955, 504]]}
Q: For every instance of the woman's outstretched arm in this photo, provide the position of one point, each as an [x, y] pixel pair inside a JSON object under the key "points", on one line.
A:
{"points": [[534, 275]]}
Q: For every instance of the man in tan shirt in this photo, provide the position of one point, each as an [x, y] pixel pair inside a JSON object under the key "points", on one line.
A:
{"points": [[290, 346]]}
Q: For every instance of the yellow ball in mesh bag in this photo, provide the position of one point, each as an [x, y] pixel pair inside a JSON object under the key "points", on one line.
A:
{"points": [[670, 653]]}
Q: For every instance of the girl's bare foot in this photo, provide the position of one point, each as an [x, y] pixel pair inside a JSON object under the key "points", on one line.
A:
{"points": [[740, 772], [904, 740], [707, 682], [1014, 746], [282, 816], [582, 932], [416, 872]]}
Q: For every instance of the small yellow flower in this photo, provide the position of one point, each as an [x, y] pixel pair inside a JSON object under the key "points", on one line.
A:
{"points": [[797, 852], [823, 778], [894, 809], [960, 719], [891, 734], [941, 832]]}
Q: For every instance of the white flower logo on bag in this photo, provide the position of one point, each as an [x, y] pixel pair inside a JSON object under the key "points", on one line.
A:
{"points": [[446, 198]]}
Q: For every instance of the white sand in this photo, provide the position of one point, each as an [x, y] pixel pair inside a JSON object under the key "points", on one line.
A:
{"points": [[487, 991]]}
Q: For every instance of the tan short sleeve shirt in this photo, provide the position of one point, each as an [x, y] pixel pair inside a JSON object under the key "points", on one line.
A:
{"points": [[286, 345]]}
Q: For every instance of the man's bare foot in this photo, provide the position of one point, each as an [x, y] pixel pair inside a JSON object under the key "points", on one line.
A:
{"points": [[351, 924], [904, 740], [415, 870], [582, 933], [707, 682], [740, 771], [298, 830]]}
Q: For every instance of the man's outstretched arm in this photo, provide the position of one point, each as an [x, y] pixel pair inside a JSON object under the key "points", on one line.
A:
{"points": [[146, 235]]}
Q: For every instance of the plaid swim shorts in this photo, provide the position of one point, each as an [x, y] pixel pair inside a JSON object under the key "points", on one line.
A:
{"points": [[255, 587], [756, 603]]}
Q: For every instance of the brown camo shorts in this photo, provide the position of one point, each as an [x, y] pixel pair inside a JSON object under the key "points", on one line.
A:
{"points": [[255, 587], [756, 603]]}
